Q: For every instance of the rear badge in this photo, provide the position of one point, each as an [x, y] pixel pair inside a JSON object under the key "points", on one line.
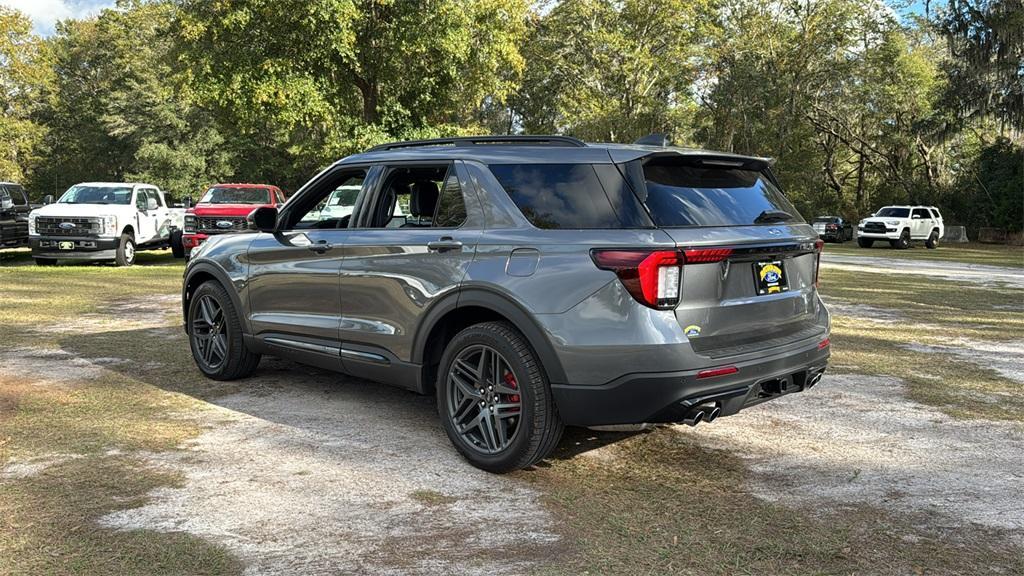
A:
{"points": [[692, 330]]}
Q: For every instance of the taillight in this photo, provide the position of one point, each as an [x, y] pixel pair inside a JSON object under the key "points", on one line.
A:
{"points": [[706, 255], [819, 246], [650, 276]]}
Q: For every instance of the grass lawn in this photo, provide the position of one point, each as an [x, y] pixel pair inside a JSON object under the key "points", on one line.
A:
{"points": [[654, 503], [972, 253]]}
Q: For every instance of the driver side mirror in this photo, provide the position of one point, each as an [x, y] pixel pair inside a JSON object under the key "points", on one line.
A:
{"points": [[263, 219], [151, 203], [48, 199]]}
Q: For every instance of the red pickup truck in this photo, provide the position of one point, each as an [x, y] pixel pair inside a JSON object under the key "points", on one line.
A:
{"points": [[223, 209]]}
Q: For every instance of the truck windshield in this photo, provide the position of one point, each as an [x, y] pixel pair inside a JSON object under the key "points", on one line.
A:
{"points": [[893, 212], [232, 195], [81, 194]]}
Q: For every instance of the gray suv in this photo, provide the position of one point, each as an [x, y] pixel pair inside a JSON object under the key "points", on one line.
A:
{"points": [[530, 283]]}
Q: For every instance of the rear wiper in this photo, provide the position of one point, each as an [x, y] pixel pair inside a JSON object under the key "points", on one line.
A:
{"points": [[773, 216]]}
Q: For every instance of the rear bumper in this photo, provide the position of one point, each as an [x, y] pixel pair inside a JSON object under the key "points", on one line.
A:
{"points": [[667, 397], [84, 248]]}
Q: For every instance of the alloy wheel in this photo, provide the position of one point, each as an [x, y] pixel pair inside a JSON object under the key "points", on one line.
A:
{"points": [[484, 399], [209, 332]]}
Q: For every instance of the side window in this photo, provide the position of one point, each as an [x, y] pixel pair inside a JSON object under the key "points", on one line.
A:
{"points": [[18, 196], [558, 195], [140, 199], [326, 205], [451, 206], [935, 213], [921, 213], [410, 196]]}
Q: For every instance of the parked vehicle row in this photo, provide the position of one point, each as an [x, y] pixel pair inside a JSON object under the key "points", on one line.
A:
{"points": [[223, 208], [898, 225], [529, 283]]}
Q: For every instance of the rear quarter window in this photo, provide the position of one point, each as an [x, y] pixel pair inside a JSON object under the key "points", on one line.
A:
{"points": [[557, 196]]}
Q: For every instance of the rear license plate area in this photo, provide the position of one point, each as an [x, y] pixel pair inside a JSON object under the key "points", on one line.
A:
{"points": [[770, 277]]}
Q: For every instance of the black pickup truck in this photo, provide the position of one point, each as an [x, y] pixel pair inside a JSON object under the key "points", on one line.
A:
{"points": [[14, 209]]}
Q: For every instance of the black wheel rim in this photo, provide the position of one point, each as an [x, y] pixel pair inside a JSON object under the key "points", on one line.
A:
{"points": [[209, 333], [484, 399]]}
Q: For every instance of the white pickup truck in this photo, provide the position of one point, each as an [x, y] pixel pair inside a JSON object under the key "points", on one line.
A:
{"points": [[901, 224], [105, 221]]}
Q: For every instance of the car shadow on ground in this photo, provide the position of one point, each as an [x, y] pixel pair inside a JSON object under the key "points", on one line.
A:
{"points": [[161, 357]]}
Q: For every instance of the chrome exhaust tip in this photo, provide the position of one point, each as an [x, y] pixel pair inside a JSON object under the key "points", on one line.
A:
{"points": [[710, 417], [694, 418]]}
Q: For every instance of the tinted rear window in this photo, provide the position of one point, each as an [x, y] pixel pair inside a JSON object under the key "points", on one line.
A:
{"points": [[681, 195], [558, 195]]}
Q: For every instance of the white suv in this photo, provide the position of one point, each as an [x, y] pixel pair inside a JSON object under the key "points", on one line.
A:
{"points": [[901, 224]]}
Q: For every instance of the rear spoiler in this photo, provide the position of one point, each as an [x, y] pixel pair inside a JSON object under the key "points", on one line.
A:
{"points": [[631, 165]]}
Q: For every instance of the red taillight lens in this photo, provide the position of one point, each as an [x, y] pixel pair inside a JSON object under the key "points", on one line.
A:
{"points": [[706, 255], [651, 276], [824, 344], [819, 246]]}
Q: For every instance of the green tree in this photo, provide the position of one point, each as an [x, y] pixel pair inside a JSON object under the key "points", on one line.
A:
{"points": [[610, 70], [25, 76], [121, 111], [323, 78]]}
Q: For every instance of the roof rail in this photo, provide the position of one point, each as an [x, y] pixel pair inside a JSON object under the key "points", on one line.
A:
{"points": [[476, 140]]}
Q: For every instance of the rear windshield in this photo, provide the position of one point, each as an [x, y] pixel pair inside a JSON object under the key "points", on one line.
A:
{"points": [[558, 195], [893, 212], [684, 195], [232, 195]]}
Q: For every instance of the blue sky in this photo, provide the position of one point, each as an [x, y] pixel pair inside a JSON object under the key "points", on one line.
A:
{"points": [[46, 13]]}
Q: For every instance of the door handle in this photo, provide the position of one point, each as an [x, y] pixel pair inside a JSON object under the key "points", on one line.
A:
{"points": [[444, 244], [320, 247]]}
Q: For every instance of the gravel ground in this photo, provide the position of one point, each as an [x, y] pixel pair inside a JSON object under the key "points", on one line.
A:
{"points": [[316, 474], [982, 274], [857, 440]]}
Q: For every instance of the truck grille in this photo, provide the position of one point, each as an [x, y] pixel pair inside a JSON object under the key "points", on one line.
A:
{"points": [[209, 224], [51, 226], [875, 227]]}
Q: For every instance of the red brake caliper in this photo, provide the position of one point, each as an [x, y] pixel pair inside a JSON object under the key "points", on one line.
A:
{"points": [[510, 379]]}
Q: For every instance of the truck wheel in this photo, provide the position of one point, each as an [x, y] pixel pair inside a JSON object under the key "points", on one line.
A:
{"points": [[215, 335], [45, 262], [933, 240], [125, 250], [865, 242], [494, 399], [904, 242], [177, 248]]}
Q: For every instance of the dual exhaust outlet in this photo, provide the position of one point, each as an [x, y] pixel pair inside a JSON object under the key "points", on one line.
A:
{"points": [[706, 412]]}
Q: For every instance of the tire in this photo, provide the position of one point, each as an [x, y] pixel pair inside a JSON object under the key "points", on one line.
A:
{"points": [[933, 240], [865, 242], [903, 243], [514, 442], [125, 255], [45, 262], [177, 248], [841, 238], [210, 311]]}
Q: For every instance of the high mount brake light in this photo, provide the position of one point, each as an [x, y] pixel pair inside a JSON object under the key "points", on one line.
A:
{"points": [[819, 247], [651, 276], [706, 255]]}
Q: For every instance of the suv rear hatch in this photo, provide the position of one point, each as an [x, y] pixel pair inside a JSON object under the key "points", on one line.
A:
{"points": [[749, 261]]}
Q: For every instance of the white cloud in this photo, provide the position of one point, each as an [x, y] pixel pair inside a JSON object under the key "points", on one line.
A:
{"points": [[46, 13]]}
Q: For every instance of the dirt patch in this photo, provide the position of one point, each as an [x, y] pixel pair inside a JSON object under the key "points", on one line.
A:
{"points": [[864, 312], [33, 466], [322, 477], [49, 367], [1006, 358], [857, 440], [136, 313], [981, 274]]}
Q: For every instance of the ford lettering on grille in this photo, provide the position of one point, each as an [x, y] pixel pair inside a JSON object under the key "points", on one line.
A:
{"points": [[66, 225], [225, 224]]}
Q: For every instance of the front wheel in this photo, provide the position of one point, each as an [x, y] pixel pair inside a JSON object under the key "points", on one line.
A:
{"points": [[215, 335], [933, 240], [865, 242], [903, 243], [494, 399], [177, 247], [125, 255]]}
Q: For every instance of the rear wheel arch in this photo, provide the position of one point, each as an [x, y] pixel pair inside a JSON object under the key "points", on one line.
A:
{"points": [[474, 306]]}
